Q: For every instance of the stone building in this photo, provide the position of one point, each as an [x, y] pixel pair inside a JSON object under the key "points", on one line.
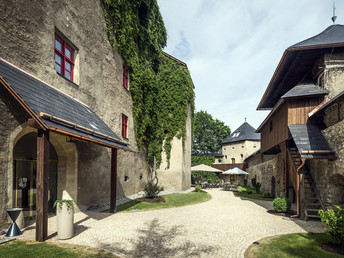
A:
{"points": [[66, 92], [240, 144], [304, 129]]}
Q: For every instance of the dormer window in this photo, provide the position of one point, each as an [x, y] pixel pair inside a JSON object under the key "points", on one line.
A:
{"points": [[236, 134]]}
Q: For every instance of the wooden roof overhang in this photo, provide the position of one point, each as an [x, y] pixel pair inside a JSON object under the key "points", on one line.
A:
{"points": [[36, 103], [294, 65]]}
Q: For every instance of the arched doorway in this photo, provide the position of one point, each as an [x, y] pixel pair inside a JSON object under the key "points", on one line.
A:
{"points": [[24, 174]]}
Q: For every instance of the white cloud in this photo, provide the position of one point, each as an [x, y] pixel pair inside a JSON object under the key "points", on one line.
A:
{"points": [[232, 48]]}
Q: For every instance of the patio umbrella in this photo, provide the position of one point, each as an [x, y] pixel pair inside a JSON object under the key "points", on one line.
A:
{"points": [[235, 171], [205, 168]]}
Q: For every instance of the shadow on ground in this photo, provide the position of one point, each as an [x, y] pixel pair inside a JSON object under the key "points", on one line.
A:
{"points": [[312, 225], [157, 241]]}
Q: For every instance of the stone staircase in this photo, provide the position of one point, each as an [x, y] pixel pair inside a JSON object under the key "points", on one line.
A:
{"points": [[312, 202]]}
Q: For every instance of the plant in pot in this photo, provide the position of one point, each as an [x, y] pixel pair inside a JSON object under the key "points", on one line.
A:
{"points": [[65, 218]]}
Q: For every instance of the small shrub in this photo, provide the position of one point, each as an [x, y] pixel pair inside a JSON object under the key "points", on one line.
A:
{"points": [[268, 195], [335, 220], [253, 182], [281, 204], [249, 192], [257, 187], [151, 189], [198, 188]]}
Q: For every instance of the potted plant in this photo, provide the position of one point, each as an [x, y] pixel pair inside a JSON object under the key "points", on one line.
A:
{"points": [[65, 218]]}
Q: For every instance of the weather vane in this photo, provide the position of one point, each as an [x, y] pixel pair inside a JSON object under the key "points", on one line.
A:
{"points": [[334, 17]]}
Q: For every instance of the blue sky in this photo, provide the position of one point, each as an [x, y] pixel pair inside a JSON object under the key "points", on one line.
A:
{"points": [[232, 47]]}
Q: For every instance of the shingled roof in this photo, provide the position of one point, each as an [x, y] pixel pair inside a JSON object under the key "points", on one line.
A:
{"points": [[305, 89], [330, 36], [243, 133], [299, 59], [310, 142], [55, 110]]}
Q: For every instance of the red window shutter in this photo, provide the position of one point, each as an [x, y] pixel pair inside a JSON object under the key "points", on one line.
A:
{"points": [[124, 126]]}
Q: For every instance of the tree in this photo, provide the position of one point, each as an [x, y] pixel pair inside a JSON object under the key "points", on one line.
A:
{"points": [[208, 133]]}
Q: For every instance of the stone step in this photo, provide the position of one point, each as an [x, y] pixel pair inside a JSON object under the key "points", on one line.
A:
{"points": [[312, 210], [313, 216]]}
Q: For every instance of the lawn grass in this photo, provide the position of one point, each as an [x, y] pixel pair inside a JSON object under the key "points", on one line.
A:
{"points": [[38, 250], [253, 195], [291, 245], [172, 200]]}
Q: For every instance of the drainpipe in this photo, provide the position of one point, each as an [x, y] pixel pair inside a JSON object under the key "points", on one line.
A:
{"points": [[298, 189]]}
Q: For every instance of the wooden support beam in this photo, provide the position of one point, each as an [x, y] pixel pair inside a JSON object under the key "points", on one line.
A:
{"points": [[113, 180], [42, 185]]}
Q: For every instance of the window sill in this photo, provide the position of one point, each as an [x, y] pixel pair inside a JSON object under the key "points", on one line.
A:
{"points": [[76, 85]]}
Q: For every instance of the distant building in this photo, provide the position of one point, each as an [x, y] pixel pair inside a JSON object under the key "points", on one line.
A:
{"points": [[240, 144]]}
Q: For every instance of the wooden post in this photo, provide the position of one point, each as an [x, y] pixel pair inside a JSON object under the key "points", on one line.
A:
{"points": [[113, 180], [42, 185]]}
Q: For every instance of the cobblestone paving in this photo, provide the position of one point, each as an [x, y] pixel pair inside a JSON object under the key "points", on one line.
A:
{"points": [[222, 227]]}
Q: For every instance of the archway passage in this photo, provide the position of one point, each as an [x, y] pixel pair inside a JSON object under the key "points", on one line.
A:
{"points": [[25, 174]]}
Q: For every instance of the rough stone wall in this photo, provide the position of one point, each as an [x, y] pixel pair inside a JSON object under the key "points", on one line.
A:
{"points": [[334, 73], [27, 40], [236, 149], [329, 175], [269, 172], [11, 116], [334, 113]]}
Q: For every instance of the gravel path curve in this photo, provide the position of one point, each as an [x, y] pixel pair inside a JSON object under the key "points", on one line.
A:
{"points": [[222, 227]]}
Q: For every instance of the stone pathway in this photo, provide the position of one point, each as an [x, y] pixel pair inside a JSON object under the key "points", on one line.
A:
{"points": [[222, 227]]}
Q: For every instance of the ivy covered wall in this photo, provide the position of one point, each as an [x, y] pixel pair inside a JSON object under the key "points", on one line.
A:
{"points": [[161, 87]]}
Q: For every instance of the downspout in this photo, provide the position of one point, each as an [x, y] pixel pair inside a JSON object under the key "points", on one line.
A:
{"points": [[298, 188]]}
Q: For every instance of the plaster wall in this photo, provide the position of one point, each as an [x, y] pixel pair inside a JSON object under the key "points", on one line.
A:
{"points": [[238, 150], [178, 176], [27, 40], [269, 172]]}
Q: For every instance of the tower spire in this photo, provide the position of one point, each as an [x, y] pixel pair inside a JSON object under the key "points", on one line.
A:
{"points": [[334, 17]]}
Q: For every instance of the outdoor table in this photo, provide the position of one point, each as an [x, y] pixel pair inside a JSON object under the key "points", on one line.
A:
{"points": [[14, 229]]}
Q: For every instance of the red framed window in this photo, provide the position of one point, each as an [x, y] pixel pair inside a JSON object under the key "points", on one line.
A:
{"points": [[64, 58], [125, 77], [124, 126]]}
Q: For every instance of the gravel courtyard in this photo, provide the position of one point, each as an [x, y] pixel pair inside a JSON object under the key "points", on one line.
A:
{"points": [[222, 227]]}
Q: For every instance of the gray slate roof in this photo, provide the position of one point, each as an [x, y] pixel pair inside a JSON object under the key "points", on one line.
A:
{"points": [[308, 137], [333, 34], [305, 89], [243, 133], [41, 97]]}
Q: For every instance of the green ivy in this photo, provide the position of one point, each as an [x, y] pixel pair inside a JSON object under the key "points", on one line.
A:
{"points": [[161, 88]]}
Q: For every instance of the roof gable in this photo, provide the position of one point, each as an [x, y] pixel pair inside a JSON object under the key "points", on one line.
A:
{"points": [[297, 61], [243, 133]]}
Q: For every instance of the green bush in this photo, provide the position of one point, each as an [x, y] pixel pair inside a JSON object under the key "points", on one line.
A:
{"points": [[253, 182], [281, 204], [249, 192], [257, 187], [335, 220], [198, 188], [151, 189], [268, 195]]}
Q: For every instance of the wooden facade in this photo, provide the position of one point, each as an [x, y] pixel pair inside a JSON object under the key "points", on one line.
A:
{"points": [[275, 129], [290, 112]]}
